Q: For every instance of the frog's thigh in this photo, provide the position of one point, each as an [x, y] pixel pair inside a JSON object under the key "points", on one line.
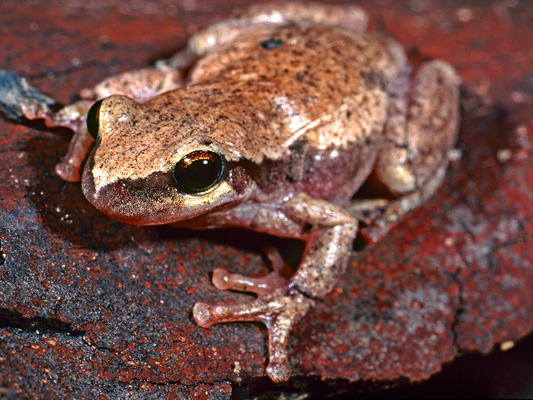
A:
{"points": [[408, 163], [413, 162], [328, 246]]}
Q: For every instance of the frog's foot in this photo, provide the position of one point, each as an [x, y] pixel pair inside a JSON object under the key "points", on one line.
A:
{"points": [[277, 306]]}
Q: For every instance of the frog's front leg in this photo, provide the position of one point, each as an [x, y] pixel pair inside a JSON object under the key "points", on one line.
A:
{"points": [[328, 231], [73, 117], [18, 99], [421, 131]]}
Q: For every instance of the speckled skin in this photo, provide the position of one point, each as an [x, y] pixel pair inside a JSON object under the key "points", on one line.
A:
{"points": [[304, 107]]}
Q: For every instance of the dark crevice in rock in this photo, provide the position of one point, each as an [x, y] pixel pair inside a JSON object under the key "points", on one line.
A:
{"points": [[100, 348], [489, 259], [166, 383], [12, 319], [460, 307]]}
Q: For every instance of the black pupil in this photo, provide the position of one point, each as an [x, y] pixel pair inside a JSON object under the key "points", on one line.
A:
{"points": [[93, 117], [198, 171]]}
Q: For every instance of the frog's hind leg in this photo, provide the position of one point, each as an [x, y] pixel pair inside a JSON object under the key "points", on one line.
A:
{"points": [[421, 131], [381, 215]]}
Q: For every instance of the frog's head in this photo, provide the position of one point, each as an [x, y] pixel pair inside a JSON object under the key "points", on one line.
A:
{"points": [[155, 165]]}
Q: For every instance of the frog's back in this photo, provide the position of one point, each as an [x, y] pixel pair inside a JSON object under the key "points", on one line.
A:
{"points": [[277, 86]]}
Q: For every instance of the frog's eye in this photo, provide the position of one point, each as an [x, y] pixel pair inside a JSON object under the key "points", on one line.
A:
{"points": [[199, 171], [93, 119]]}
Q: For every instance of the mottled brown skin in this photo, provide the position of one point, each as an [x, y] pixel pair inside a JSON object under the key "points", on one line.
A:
{"points": [[303, 107]]}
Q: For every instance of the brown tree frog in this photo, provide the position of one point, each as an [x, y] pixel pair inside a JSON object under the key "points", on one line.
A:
{"points": [[285, 112]]}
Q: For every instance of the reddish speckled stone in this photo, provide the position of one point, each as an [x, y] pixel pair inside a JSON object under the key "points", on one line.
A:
{"points": [[93, 308]]}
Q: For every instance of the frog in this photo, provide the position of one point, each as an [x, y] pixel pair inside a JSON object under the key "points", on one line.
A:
{"points": [[271, 120]]}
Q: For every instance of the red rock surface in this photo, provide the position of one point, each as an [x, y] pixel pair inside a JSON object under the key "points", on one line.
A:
{"points": [[92, 308]]}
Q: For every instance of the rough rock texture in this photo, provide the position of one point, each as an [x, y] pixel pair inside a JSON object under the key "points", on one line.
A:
{"points": [[92, 308]]}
